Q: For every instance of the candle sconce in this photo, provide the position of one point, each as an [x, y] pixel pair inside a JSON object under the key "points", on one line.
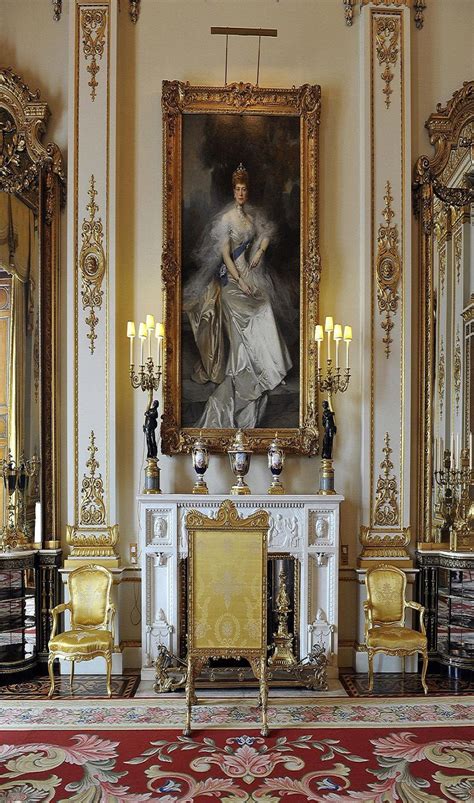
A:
{"points": [[148, 378], [335, 380], [456, 503], [15, 533]]}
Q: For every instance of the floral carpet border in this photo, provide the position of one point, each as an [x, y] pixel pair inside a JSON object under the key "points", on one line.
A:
{"points": [[135, 713]]}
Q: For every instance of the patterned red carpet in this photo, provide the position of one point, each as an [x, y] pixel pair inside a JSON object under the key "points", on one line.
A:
{"points": [[379, 766]]}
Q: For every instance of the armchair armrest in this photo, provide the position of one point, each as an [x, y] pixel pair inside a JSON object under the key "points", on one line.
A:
{"points": [[421, 610], [56, 611], [111, 616], [367, 605]]}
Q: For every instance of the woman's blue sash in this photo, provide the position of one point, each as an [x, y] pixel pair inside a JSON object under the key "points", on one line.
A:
{"points": [[222, 273]]}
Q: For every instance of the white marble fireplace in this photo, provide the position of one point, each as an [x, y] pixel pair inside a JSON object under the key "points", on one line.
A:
{"points": [[305, 527]]}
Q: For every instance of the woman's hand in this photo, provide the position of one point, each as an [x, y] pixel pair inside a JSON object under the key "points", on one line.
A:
{"points": [[244, 286], [256, 257]]}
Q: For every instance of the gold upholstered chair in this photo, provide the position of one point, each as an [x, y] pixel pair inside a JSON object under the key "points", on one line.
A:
{"points": [[227, 595], [92, 614], [385, 629]]}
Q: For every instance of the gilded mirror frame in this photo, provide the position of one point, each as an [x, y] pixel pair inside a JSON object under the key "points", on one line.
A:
{"points": [[34, 172], [451, 131], [271, 108]]}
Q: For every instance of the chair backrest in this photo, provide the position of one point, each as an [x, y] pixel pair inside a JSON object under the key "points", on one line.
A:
{"points": [[227, 583], [89, 594], [386, 594]]}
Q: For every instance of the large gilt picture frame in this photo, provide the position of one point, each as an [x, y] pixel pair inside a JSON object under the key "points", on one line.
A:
{"points": [[241, 265]]}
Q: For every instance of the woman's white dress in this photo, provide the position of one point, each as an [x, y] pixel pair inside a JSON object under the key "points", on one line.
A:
{"points": [[237, 336]]}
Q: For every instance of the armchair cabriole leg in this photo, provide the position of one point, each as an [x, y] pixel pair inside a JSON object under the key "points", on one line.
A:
{"points": [[189, 697], [51, 675], [264, 696], [371, 670], [423, 672], [71, 678], [108, 660]]}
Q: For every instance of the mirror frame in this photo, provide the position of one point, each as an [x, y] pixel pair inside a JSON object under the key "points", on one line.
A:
{"points": [[35, 173], [447, 127]]}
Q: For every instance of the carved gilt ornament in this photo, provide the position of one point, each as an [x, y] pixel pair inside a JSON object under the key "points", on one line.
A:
{"points": [[93, 24], [386, 513], [388, 269], [92, 264], [457, 371], [441, 376], [418, 8], [92, 491], [387, 35]]}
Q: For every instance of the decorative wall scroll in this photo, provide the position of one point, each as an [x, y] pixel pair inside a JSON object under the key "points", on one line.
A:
{"points": [[208, 132], [442, 258], [386, 513], [457, 370], [388, 269], [457, 246], [93, 24], [441, 376], [92, 264], [387, 42], [92, 492]]}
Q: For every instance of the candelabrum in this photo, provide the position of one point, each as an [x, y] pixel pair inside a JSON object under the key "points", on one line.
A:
{"points": [[334, 380], [148, 378], [456, 505], [283, 654], [15, 533]]}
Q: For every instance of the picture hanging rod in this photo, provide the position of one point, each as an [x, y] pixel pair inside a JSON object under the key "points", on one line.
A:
{"points": [[245, 31]]}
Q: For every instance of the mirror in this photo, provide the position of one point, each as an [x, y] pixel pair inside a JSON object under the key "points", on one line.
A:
{"points": [[31, 187], [444, 200]]}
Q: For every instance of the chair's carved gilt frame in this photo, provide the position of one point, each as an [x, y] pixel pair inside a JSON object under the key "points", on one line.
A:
{"points": [[178, 99], [227, 520]]}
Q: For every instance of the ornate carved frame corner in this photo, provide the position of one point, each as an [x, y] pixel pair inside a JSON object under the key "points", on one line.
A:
{"points": [[446, 128], [35, 172], [178, 99], [418, 8]]}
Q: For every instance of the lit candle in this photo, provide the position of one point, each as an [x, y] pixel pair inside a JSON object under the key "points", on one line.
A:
{"points": [[347, 339], [337, 338], [328, 327], [318, 336], [159, 334], [142, 336], [131, 335], [38, 523]]}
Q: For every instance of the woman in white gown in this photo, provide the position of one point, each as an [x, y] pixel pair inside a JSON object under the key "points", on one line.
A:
{"points": [[240, 345]]}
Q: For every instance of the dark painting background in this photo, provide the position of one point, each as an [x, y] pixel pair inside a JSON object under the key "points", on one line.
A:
{"points": [[269, 148]]}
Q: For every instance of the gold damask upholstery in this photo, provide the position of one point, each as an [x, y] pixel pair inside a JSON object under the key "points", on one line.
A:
{"points": [[385, 629], [227, 595], [92, 616]]}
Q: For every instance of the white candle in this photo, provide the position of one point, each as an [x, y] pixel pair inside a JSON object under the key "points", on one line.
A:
{"points": [[131, 335], [470, 451], [458, 451], [159, 334], [319, 353], [38, 523], [337, 338], [347, 354], [452, 449], [142, 336]]}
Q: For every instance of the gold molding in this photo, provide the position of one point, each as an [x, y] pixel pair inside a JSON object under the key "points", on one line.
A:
{"points": [[386, 510], [389, 546], [93, 24], [457, 248], [387, 34], [442, 259], [178, 100], [441, 376], [89, 544], [457, 370], [92, 491], [92, 264], [388, 269], [447, 127], [418, 8]]}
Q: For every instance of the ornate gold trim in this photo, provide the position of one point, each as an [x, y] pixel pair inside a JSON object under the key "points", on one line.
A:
{"points": [[349, 11], [93, 24], [380, 547], [457, 370], [92, 545], [387, 34], [457, 248], [92, 264], [57, 9], [442, 259], [304, 102], [441, 376], [92, 491], [388, 269], [386, 511], [418, 7], [134, 10], [446, 128]]}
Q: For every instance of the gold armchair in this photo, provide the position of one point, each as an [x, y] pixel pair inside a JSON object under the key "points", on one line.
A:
{"points": [[92, 616], [385, 629]]}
